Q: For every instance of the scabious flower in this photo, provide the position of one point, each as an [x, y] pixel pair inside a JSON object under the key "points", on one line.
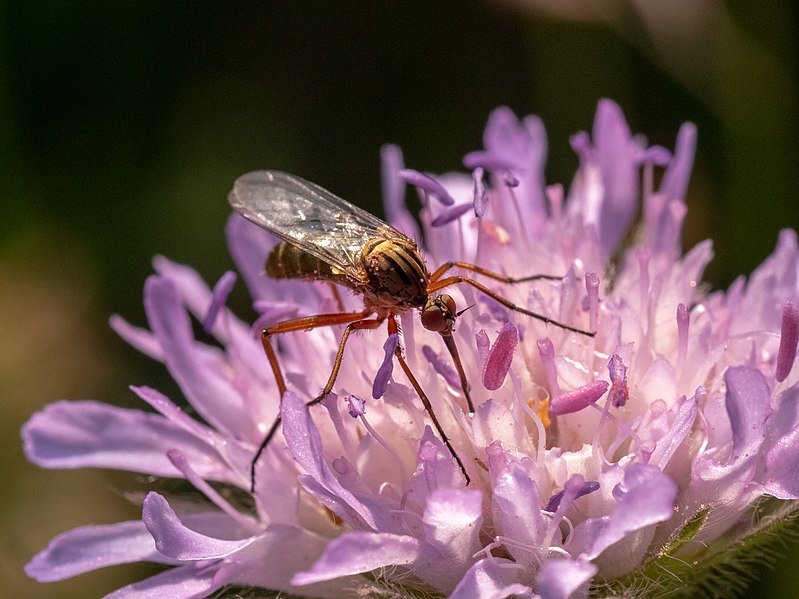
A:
{"points": [[616, 465]]}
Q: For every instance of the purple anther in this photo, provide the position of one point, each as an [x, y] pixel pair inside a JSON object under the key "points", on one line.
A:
{"points": [[588, 486], [440, 366], [577, 399], [500, 357], [386, 368], [450, 214], [789, 336], [427, 184], [219, 296], [619, 393], [356, 406]]}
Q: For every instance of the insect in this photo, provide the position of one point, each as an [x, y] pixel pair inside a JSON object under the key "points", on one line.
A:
{"points": [[326, 238]]}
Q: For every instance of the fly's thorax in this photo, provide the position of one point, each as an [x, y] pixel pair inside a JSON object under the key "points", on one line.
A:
{"points": [[396, 273], [286, 261]]}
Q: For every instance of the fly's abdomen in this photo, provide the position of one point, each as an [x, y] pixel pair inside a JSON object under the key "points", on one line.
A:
{"points": [[286, 261]]}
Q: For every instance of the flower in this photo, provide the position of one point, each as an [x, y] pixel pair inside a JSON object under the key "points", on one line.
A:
{"points": [[594, 460]]}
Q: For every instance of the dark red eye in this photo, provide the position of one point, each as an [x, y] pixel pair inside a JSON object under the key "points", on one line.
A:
{"points": [[449, 303], [433, 318]]}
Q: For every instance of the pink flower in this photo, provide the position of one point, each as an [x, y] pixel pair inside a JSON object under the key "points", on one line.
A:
{"points": [[590, 458]]}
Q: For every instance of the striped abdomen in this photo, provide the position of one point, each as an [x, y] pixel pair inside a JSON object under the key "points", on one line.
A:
{"points": [[287, 261]]}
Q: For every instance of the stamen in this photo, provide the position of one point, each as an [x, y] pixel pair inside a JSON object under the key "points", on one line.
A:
{"points": [[643, 254], [592, 287], [441, 367], [555, 195], [510, 180], [619, 393], [480, 192], [789, 336], [429, 185], [180, 462], [500, 357], [683, 324], [546, 352], [219, 296], [483, 343], [450, 214], [577, 399], [386, 368], [356, 406], [588, 486]]}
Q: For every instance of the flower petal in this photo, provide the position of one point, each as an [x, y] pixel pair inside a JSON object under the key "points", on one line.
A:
{"points": [[185, 582], [492, 578], [645, 497], [359, 552], [174, 539], [563, 578], [92, 547], [84, 434], [782, 446]]}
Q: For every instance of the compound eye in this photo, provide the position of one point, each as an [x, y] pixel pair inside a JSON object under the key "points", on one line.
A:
{"points": [[449, 303], [434, 319]]}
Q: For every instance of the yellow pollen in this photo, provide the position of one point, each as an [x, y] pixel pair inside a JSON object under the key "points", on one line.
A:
{"points": [[542, 409]]}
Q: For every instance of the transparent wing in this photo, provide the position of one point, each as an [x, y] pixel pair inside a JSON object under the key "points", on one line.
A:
{"points": [[308, 217]]}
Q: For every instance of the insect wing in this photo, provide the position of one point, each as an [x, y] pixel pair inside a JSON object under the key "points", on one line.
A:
{"points": [[308, 216]]}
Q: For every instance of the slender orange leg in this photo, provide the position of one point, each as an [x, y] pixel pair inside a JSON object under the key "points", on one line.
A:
{"points": [[337, 296], [438, 285], [392, 328], [353, 320], [439, 272]]}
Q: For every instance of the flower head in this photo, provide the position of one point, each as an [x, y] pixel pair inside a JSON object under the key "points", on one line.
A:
{"points": [[590, 457]]}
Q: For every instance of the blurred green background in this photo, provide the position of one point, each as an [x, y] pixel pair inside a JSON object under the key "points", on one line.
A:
{"points": [[123, 125]]}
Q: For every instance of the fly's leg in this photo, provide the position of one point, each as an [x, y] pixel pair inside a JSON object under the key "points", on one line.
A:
{"points": [[392, 328], [299, 324], [441, 283], [441, 270]]}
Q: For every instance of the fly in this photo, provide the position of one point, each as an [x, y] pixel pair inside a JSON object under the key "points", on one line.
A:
{"points": [[326, 238]]}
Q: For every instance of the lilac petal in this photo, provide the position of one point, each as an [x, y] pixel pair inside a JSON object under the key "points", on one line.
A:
{"points": [[427, 184], [517, 513], [500, 357], [615, 154], [577, 399], [563, 578], [249, 245], [450, 214], [482, 342], [480, 192], [359, 552], [657, 155], [683, 422], [141, 339], [440, 366], [92, 547], [386, 368], [645, 497], [747, 403], [782, 447], [219, 297], [452, 521], [789, 337], [174, 539], [92, 434], [305, 444], [185, 582], [675, 180], [199, 370], [491, 578]]}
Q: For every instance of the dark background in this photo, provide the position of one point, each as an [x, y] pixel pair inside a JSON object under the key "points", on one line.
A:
{"points": [[123, 125]]}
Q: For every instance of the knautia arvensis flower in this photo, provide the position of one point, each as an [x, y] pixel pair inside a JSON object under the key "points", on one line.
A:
{"points": [[631, 464]]}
